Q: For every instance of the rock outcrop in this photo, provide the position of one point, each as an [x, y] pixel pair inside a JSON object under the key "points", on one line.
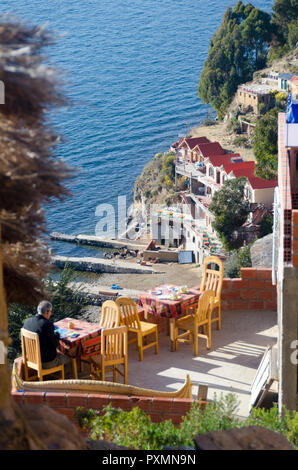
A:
{"points": [[261, 252]]}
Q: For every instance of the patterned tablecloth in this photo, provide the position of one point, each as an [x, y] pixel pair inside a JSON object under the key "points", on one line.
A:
{"points": [[72, 340], [160, 306]]}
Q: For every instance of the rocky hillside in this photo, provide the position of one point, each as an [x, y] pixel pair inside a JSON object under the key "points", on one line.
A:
{"points": [[156, 184]]}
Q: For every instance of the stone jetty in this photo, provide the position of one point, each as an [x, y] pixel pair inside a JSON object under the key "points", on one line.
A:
{"points": [[99, 265], [97, 294], [92, 240]]}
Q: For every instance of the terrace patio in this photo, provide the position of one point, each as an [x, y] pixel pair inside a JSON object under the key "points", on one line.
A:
{"points": [[249, 325], [229, 366]]}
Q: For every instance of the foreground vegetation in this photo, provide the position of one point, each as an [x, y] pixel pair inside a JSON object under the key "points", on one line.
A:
{"points": [[135, 429]]}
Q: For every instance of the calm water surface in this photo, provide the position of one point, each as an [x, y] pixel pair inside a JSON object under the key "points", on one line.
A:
{"points": [[132, 73]]}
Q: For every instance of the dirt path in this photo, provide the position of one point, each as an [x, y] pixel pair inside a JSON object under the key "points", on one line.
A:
{"points": [[219, 133]]}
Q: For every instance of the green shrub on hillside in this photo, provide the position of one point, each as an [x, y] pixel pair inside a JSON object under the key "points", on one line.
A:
{"points": [[265, 145], [157, 175], [234, 125], [242, 141], [236, 260], [285, 27], [230, 208], [266, 226], [237, 49]]}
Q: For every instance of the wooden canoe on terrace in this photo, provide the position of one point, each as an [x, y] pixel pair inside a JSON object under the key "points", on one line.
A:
{"points": [[96, 386]]}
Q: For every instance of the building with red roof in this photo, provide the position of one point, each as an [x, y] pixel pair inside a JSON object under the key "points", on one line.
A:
{"points": [[208, 149], [207, 167], [197, 148]]}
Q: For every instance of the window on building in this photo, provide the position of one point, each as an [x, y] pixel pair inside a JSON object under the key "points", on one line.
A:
{"points": [[248, 194], [211, 172]]}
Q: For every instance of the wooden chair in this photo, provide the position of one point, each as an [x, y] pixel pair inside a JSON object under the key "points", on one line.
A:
{"points": [[32, 357], [213, 272], [141, 329], [191, 323], [113, 352], [110, 315], [110, 318]]}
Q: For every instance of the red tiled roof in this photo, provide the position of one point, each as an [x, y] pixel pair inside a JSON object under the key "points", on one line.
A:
{"points": [[294, 79], [193, 142], [260, 183], [219, 160], [255, 181], [212, 148], [259, 213], [248, 167]]}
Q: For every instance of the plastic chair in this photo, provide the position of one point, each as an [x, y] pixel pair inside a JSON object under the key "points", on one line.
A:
{"points": [[113, 352], [141, 329], [212, 280], [32, 357], [110, 315], [191, 323]]}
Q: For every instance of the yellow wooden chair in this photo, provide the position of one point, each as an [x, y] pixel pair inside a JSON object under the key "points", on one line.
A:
{"points": [[32, 357], [113, 353], [110, 318], [141, 329], [213, 273], [110, 315], [191, 323]]}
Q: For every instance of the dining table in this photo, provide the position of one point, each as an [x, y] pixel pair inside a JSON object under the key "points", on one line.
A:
{"points": [[169, 301], [72, 334]]}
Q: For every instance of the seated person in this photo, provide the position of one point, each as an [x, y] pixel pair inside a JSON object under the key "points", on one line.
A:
{"points": [[48, 339]]}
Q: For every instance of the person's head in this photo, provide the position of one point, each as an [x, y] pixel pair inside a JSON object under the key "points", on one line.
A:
{"points": [[45, 308]]}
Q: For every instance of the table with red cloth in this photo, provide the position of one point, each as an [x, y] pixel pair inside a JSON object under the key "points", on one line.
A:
{"points": [[167, 308], [72, 339]]}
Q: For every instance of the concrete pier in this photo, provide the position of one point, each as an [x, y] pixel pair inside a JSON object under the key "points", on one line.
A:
{"points": [[97, 294], [92, 240], [99, 265]]}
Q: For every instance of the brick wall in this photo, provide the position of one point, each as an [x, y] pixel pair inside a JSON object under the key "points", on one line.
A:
{"points": [[295, 237], [253, 291], [157, 408]]}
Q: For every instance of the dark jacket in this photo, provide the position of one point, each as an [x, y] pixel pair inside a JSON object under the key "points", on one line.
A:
{"points": [[47, 338]]}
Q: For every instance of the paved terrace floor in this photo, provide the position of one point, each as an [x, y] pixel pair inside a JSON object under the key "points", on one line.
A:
{"points": [[230, 365]]}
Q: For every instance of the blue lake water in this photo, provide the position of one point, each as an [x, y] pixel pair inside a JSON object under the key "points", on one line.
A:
{"points": [[132, 73]]}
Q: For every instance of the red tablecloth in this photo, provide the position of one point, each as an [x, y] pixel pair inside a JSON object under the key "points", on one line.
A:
{"points": [[167, 308], [72, 346]]}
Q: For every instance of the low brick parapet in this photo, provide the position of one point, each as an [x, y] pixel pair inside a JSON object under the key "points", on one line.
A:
{"points": [[253, 291], [158, 408]]}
